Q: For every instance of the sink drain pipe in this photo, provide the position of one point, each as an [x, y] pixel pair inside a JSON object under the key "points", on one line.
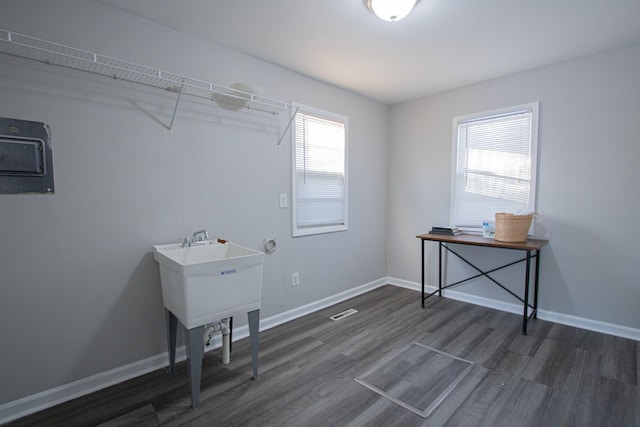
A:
{"points": [[222, 326]]}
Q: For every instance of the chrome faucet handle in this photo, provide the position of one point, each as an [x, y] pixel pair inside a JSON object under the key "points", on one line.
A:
{"points": [[186, 242], [200, 236]]}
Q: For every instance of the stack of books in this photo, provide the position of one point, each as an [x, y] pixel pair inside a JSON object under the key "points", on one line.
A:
{"points": [[446, 230]]}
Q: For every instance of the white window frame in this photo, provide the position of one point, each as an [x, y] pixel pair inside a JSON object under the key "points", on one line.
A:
{"points": [[492, 204], [331, 226]]}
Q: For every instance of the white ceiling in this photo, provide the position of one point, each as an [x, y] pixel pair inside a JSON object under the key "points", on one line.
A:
{"points": [[441, 45]]}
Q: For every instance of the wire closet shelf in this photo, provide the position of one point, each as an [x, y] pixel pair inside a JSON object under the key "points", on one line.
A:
{"points": [[51, 53]]}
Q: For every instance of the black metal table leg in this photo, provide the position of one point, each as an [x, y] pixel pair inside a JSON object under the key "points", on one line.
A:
{"points": [[535, 286], [422, 274], [525, 317], [440, 269]]}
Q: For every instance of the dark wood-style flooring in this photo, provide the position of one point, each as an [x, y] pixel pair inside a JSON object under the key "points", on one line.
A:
{"points": [[555, 376]]}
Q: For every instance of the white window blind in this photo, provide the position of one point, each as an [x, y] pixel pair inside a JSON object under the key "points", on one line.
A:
{"points": [[495, 156], [320, 179]]}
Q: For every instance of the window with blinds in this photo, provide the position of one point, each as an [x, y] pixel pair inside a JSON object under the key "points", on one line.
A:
{"points": [[495, 158], [319, 172]]}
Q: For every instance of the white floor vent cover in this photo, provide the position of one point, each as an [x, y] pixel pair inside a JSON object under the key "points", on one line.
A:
{"points": [[416, 377], [344, 314]]}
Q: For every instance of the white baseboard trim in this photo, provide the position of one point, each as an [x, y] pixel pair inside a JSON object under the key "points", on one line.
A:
{"points": [[30, 404], [551, 316]]}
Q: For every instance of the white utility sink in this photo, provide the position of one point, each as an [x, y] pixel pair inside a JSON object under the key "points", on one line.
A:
{"points": [[210, 281]]}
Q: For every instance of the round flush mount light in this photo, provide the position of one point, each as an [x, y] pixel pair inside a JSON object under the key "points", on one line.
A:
{"points": [[391, 10]]}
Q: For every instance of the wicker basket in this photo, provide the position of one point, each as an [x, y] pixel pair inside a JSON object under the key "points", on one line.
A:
{"points": [[512, 228]]}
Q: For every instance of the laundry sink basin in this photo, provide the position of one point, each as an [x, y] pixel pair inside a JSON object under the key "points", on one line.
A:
{"points": [[209, 282]]}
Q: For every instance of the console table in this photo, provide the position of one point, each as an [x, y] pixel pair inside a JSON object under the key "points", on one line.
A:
{"points": [[532, 252]]}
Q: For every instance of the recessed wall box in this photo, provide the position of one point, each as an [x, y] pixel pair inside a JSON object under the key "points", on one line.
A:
{"points": [[26, 157]]}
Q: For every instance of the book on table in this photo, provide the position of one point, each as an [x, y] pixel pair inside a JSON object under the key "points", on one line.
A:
{"points": [[447, 230]]}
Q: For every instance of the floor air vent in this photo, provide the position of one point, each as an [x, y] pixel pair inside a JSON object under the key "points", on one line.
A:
{"points": [[344, 314]]}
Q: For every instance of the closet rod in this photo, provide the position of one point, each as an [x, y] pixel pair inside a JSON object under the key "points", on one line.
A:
{"points": [[51, 53]]}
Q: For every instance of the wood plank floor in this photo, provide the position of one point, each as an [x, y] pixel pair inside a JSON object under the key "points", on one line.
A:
{"points": [[555, 376]]}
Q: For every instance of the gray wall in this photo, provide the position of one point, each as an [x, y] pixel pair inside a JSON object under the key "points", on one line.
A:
{"points": [[79, 289], [587, 183]]}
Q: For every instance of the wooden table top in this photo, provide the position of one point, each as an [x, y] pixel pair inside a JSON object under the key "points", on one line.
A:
{"points": [[478, 240]]}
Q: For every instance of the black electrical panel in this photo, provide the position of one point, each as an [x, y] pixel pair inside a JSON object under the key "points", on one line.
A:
{"points": [[26, 157]]}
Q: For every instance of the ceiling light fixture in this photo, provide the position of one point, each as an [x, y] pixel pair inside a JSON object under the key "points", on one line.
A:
{"points": [[391, 10]]}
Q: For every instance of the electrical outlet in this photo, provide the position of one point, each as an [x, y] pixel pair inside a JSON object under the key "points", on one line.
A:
{"points": [[295, 279], [283, 200]]}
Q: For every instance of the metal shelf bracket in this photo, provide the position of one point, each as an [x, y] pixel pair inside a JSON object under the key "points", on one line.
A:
{"points": [[284, 132]]}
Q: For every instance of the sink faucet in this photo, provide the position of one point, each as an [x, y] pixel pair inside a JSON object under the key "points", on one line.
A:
{"points": [[200, 236], [197, 238]]}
